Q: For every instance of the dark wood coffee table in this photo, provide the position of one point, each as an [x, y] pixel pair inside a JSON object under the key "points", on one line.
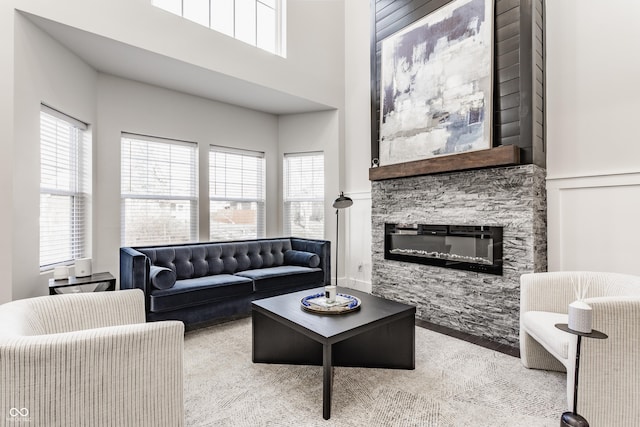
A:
{"points": [[381, 334]]}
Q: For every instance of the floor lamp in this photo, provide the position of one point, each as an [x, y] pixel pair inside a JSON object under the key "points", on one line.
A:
{"points": [[341, 202]]}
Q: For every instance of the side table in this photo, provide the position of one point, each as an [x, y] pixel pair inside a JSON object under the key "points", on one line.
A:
{"points": [[572, 419], [95, 278]]}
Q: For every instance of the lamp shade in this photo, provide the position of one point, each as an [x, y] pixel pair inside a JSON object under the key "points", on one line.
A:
{"points": [[342, 201]]}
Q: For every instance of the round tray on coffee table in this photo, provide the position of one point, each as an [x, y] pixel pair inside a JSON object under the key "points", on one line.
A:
{"points": [[307, 304]]}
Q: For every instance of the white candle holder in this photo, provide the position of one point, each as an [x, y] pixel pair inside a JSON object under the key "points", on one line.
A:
{"points": [[83, 267], [330, 293], [61, 272], [580, 317]]}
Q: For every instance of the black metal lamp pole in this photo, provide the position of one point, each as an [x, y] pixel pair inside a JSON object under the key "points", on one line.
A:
{"points": [[341, 202]]}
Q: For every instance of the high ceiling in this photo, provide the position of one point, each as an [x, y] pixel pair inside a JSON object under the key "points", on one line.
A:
{"points": [[123, 60]]}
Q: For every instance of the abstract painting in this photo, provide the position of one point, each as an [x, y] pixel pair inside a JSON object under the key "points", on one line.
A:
{"points": [[436, 84]]}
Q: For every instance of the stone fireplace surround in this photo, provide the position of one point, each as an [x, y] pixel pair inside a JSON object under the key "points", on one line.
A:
{"points": [[478, 304]]}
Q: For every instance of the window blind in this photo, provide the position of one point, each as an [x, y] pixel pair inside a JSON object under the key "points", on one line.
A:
{"points": [[304, 195], [65, 188], [159, 192], [236, 194]]}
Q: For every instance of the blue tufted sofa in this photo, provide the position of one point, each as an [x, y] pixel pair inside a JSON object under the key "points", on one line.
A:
{"points": [[201, 282]]}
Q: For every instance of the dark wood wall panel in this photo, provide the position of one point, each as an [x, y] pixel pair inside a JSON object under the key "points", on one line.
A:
{"points": [[503, 6], [509, 115], [507, 17], [539, 82], [508, 45], [518, 104], [507, 102], [506, 74], [509, 87], [509, 30]]}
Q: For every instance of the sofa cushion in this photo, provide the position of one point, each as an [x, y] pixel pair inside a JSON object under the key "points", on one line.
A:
{"points": [[301, 258], [284, 276], [541, 326], [207, 259], [201, 290], [161, 277]]}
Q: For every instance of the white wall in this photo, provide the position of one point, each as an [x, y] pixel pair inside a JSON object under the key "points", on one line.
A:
{"points": [[357, 248], [314, 69], [45, 72], [314, 41], [299, 133], [356, 272], [125, 105], [6, 146], [593, 171]]}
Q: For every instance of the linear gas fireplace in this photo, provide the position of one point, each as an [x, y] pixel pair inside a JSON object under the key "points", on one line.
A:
{"points": [[463, 247]]}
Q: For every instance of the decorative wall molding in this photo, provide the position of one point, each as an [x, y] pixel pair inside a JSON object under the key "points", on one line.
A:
{"points": [[592, 223], [594, 180], [358, 242]]}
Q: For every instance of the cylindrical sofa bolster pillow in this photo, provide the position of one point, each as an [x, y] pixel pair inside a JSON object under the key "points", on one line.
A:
{"points": [[301, 258], [162, 277]]}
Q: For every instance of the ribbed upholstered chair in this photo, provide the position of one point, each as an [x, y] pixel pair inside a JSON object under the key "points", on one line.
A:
{"points": [[609, 376], [89, 359]]}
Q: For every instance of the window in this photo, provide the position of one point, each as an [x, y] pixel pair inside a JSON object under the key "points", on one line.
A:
{"points": [[65, 188], [159, 192], [236, 194], [304, 195], [259, 23]]}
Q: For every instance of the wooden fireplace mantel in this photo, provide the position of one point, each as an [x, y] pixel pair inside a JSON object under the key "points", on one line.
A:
{"points": [[504, 155]]}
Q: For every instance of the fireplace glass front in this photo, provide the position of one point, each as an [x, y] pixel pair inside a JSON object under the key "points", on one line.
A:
{"points": [[463, 247]]}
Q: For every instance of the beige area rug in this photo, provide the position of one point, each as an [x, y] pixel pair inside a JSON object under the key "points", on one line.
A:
{"points": [[455, 383]]}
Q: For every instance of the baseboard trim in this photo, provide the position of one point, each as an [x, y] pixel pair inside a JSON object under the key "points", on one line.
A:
{"points": [[214, 322], [482, 342]]}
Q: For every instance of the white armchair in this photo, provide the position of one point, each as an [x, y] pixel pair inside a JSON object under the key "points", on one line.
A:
{"points": [[89, 359], [609, 377]]}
